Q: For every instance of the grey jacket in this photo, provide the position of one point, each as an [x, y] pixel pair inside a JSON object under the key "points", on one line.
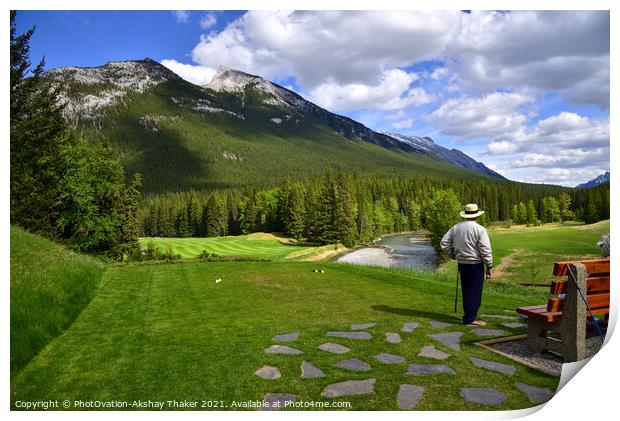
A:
{"points": [[468, 242]]}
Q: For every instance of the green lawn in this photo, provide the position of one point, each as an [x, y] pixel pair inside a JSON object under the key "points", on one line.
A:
{"points": [[49, 288], [262, 245], [526, 255], [167, 331]]}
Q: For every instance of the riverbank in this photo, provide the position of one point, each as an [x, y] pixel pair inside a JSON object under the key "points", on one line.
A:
{"points": [[411, 250]]}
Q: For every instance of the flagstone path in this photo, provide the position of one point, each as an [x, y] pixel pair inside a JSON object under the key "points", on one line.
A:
{"points": [[409, 395]]}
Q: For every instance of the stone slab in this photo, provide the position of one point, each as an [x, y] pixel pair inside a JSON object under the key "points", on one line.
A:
{"points": [[409, 395], [488, 332], [353, 364], [334, 348], [282, 349], [268, 372], [536, 394], [439, 325], [349, 388], [408, 327], [393, 338], [362, 326], [310, 371], [276, 401], [451, 339], [499, 316], [430, 351], [286, 337], [365, 336], [483, 395], [390, 358], [423, 369], [514, 325], [493, 366]]}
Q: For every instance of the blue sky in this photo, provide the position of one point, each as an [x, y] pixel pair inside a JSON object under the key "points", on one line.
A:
{"points": [[527, 93]]}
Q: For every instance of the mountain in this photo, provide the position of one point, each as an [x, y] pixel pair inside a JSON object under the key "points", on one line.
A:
{"points": [[238, 130], [453, 156], [601, 179]]}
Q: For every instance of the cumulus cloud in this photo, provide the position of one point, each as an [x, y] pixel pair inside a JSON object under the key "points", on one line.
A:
{"points": [[182, 16], [559, 51], [207, 20], [198, 75], [391, 93], [404, 124], [486, 117], [563, 132]]}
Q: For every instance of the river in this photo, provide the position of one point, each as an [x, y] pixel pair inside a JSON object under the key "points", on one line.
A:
{"points": [[411, 250]]}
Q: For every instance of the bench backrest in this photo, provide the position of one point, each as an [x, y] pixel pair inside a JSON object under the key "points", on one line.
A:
{"points": [[597, 293]]}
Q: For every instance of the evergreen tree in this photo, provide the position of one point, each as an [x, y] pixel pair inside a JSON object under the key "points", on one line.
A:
{"points": [[38, 142], [532, 215]]}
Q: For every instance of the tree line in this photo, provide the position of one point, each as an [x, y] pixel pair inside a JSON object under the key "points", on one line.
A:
{"points": [[345, 208], [63, 187]]}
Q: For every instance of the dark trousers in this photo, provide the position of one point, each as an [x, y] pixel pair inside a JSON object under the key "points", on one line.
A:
{"points": [[472, 281]]}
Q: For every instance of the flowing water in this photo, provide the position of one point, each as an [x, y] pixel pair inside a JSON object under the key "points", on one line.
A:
{"points": [[410, 250]]}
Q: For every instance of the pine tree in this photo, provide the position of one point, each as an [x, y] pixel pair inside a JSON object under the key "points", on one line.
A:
{"points": [[39, 141], [532, 215]]}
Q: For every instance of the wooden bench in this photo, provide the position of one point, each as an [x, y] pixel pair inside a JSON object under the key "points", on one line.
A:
{"points": [[560, 325]]}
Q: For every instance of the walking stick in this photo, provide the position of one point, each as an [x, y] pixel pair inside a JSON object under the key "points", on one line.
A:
{"points": [[456, 294]]}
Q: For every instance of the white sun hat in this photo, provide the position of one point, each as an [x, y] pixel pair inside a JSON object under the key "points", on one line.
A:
{"points": [[471, 211]]}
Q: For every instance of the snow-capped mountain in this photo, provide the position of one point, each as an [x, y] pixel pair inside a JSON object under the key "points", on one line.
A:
{"points": [[601, 179], [453, 156], [239, 126]]}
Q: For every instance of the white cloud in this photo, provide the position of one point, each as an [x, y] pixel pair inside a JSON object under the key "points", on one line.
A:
{"points": [[182, 16], [343, 46], [391, 93], [198, 75], [404, 124], [207, 20], [554, 51], [486, 117]]}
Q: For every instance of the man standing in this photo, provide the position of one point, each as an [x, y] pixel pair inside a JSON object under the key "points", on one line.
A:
{"points": [[468, 243]]}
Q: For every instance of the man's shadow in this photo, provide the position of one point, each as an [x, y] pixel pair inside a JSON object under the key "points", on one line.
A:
{"points": [[440, 317]]}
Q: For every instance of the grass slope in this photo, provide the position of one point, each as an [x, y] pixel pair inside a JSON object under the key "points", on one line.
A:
{"points": [[526, 254], [265, 246], [50, 286], [167, 331]]}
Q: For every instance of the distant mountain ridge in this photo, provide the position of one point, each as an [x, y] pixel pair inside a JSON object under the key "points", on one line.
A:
{"points": [[601, 179], [239, 129], [453, 156]]}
